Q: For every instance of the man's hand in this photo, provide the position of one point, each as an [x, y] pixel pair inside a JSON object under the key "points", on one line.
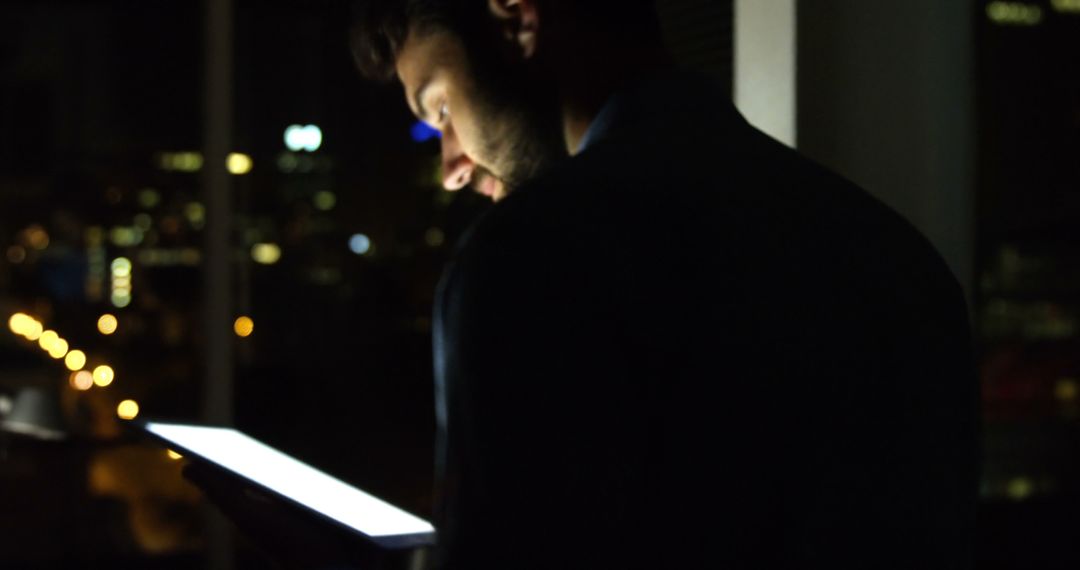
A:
{"points": [[289, 535]]}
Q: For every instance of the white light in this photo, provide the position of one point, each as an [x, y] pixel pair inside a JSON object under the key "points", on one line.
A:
{"points": [[283, 474], [360, 244], [298, 138]]}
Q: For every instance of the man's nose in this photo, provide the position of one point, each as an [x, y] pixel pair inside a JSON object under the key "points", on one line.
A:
{"points": [[457, 167]]}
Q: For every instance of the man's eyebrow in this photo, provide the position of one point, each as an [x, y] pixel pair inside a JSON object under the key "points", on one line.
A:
{"points": [[418, 99]]}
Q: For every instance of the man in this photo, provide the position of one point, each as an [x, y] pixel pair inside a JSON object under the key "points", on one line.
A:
{"points": [[684, 347]]}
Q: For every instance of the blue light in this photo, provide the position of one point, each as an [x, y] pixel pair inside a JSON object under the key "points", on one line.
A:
{"points": [[360, 244], [422, 132]]}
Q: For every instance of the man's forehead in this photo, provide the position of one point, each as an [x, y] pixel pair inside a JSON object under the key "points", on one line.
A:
{"points": [[421, 48]]}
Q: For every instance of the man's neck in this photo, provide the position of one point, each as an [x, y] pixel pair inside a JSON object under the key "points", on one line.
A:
{"points": [[589, 82]]}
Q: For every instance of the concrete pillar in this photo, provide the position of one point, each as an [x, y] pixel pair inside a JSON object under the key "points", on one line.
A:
{"points": [[886, 99], [217, 259], [765, 86]]}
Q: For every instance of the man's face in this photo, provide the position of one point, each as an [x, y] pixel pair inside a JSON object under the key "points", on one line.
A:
{"points": [[497, 128]]}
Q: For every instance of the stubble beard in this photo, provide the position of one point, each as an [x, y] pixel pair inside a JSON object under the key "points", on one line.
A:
{"points": [[524, 137]]}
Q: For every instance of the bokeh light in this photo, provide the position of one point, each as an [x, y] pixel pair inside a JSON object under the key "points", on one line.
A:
{"points": [[104, 375], [243, 327], [47, 340], [1014, 13], [107, 324], [265, 253], [36, 237], [1020, 488], [33, 330], [238, 163], [1066, 6], [173, 455], [195, 214], [26, 326], [143, 222], [82, 380], [127, 410], [121, 267], [16, 254], [59, 349], [360, 244], [17, 323], [324, 200], [298, 138], [75, 360], [1066, 389], [120, 298]]}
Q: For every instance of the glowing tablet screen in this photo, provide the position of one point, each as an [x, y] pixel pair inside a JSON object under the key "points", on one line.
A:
{"points": [[290, 477]]}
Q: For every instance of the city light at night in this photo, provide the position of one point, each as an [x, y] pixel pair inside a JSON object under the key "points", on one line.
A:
{"points": [[75, 360], [324, 200], [1066, 389], [1020, 488], [82, 380], [1066, 5], [238, 163], [125, 236], [121, 267], [127, 410], [17, 323], [26, 326], [33, 331], [181, 161], [143, 221], [58, 349], [243, 327], [360, 244], [266, 253], [149, 198], [47, 340], [120, 299], [1014, 13], [195, 214], [121, 282], [36, 237], [16, 254], [107, 324], [307, 138], [103, 376]]}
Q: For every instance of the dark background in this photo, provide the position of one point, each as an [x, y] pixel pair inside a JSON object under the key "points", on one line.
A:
{"points": [[96, 95]]}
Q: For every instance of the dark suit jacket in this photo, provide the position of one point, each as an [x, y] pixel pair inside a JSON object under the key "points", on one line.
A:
{"points": [[690, 347]]}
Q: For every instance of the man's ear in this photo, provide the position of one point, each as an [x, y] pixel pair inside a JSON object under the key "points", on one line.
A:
{"points": [[519, 22]]}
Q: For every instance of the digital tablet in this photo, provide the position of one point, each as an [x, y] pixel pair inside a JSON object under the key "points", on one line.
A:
{"points": [[379, 521]]}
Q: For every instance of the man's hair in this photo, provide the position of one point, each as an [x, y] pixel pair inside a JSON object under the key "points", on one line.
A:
{"points": [[380, 26]]}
